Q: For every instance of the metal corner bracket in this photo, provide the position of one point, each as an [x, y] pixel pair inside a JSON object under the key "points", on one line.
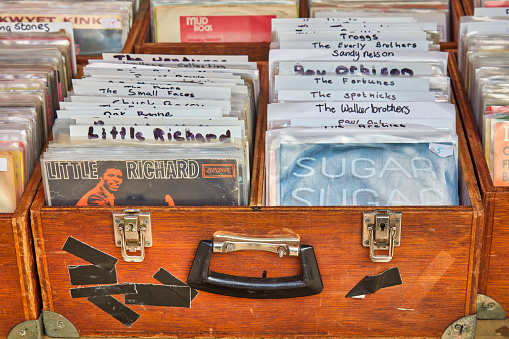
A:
{"points": [[489, 309], [463, 328], [56, 326], [30, 329]]}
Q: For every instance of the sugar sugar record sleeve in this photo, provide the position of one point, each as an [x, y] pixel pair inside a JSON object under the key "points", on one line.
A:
{"points": [[337, 174]]}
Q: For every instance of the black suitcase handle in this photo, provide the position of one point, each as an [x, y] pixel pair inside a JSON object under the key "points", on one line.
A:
{"points": [[309, 283]]}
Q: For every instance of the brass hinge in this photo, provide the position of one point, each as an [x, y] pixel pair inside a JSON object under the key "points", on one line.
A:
{"points": [[381, 231], [30, 329], [57, 326], [489, 309], [133, 232], [463, 328]]}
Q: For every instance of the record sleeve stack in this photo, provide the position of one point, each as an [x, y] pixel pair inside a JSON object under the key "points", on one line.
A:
{"points": [[167, 130], [426, 11], [36, 67], [490, 3], [361, 117], [483, 60], [217, 21], [99, 26]]}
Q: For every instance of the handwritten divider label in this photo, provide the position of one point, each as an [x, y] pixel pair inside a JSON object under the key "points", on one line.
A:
{"points": [[373, 123], [372, 110], [174, 58], [156, 133], [120, 101], [181, 121], [348, 36], [361, 46], [156, 91], [320, 95], [355, 68], [180, 112], [333, 82]]}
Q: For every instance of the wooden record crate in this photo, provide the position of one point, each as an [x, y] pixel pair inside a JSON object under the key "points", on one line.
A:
{"points": [[131, 37], [20, 300], [493, 274], [257, 51], [438, 260]]}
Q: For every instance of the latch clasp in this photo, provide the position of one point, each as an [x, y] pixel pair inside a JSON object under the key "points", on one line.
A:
{"points": [[381, 231], [133, 232]]}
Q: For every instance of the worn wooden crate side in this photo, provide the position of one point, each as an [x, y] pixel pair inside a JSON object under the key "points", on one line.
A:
{"points": [[435, 277], [457, 11], [491, 195], [497, 280], [19, 296], [11, 303], [468, 7]]}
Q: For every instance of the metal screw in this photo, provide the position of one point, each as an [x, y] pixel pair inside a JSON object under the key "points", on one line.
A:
{"points": [[396, 220], [117, 221], [145, 221], [148, 243], [366, 242], [491, 306], [458, 327], [21, 332], [61, 324], [396, 242], [119, 243], [230, 247], [367, 220], [281, 251]]}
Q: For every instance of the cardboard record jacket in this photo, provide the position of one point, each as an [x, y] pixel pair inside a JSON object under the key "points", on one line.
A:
{"points": [[142, 182], [373, 174]]}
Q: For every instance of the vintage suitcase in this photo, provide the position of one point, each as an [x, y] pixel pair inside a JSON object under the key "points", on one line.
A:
{"points": [[20, 300], [493, 275], [427, 290]]}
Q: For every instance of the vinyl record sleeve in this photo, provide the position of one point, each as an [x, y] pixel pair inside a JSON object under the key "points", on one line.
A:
{"points": [[8, 197], [168, 182], [371, 174]]}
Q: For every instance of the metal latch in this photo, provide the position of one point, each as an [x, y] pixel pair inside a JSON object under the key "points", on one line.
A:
{"points": [[133, 232], [224, 243], [381, 231]]}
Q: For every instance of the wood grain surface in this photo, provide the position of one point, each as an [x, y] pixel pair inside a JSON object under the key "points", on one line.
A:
{"points": [[19, 292], [494, 277]]}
